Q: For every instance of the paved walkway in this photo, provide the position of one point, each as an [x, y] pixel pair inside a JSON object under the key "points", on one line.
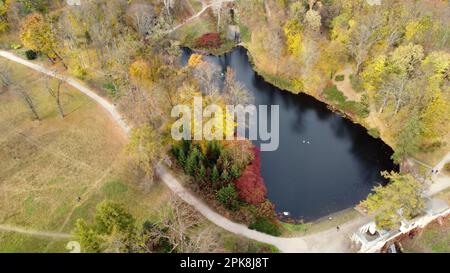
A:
{"points": [[326, 241], [441, 180]]}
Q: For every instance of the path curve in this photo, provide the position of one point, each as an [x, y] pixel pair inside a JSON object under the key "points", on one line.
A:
{"points": [[329, 240], [284, 244], [32, 232]]}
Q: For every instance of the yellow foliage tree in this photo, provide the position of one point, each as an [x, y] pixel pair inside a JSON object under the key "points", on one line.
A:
{"points": [[195, 60], [37, 34], [400, 200], [373, 74], [293, 31], [415, 30], [3, 19], [436, 116]]}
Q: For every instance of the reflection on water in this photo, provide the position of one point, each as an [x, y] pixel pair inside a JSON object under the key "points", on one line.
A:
{"points": [[324, 162]]}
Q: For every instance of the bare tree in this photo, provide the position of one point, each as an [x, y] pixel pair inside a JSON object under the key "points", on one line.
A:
{"points": [[55, 92], [216, 6], [168, 5], [180, 220], [274, 45], [397, 89], [363, 38], [143, 18], [7, 82], [208, 75], [234, 91]]}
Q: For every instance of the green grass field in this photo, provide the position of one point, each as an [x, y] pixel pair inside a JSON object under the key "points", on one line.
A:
{"points": [[434, 239]]}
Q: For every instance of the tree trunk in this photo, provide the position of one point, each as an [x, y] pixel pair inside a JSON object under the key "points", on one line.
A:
{"points": [[58, 100], [29, 103], [61, 59], [358, 67], [382, 106], [397, 106]]}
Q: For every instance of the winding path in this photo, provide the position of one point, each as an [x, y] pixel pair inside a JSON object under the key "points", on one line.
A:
{"points": [[32, 232], [205, 6], [326, 241]]}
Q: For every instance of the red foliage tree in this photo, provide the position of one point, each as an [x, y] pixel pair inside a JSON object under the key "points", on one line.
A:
{"points": [[250, 185], [209, 40]]}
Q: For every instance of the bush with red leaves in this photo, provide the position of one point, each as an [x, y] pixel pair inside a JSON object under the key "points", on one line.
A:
{"points": [[209, 40], [250, 185]]}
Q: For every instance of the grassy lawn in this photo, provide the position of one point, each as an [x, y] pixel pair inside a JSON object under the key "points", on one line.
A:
{"points": [[196, 5], [338, 218], [195, 28], [435, 238], [45, 166], [11, 242]]}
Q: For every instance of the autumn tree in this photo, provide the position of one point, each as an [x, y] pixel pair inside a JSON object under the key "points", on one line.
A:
{"points": [[250, 185], [293, 31], [3, 16], [235, 92], [37, 34], [405, 59], [399, 200], [409, 138], [273, 44], [145, 149], [362, 39], [313, 20]]}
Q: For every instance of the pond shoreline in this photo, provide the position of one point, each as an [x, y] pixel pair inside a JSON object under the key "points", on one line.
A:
{"points": [[321, 104], [331, 107]]}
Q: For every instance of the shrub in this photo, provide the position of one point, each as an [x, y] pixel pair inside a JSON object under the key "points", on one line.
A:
{"points": [[215, 175], [339, 78], [16, 46], [266, 210], [79, 72], [333, 94], [209, 40], [228, 196], [357, 83], [250, 185], [111, 89], [265, 225], [31, 54], [192, 161]]}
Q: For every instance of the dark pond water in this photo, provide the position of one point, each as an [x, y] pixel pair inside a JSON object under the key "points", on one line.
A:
{"points": [[339, 166]]}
